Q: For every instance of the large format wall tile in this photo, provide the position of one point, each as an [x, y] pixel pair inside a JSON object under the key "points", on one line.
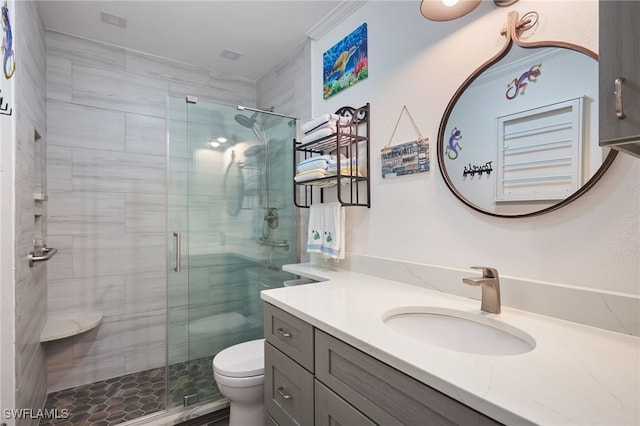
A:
{"points": [[79, 126], [125, 334], [155, 67], [84, 52], [145, 212], [146, 134], [84, 371], [110, 171], [59, 168], [119, 91], [105, 295], [58, 78], [105, 254], [80, 213], [145, 291]]}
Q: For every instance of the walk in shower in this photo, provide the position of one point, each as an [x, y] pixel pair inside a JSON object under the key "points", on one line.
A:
{"points": [[231, 227], [215, 205]]}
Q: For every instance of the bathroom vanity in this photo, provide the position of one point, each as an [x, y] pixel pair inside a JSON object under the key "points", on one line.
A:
{"points": [[330, 357], [313, 378]]}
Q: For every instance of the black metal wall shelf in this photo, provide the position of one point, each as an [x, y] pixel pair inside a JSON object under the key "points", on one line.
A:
{"points": [[352, 141]]}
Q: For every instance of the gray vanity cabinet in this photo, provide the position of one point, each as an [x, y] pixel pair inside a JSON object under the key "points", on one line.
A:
{"points": [[288, 389], [344, 386], [288, 370], [384, 394], [332, 410], [619, 63]]}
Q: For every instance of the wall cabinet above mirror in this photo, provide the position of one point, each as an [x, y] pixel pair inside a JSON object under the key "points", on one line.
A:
{"points": [[520, 136]]}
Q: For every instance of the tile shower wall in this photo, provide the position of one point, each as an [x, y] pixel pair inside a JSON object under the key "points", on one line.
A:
{"points": [[287, 88], [106, 163], [29, 107]]}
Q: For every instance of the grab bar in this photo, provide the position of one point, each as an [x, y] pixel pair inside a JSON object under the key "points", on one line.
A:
{"points": [[47, 253], [178, 236], [283, 244]]}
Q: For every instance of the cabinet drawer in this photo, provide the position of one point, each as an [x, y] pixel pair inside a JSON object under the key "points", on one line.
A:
{"points": [[332, 410], [384, 394], [291, 335], [288, 389]]}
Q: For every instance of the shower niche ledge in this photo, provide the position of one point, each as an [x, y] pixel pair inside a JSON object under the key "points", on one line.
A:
{"points": [[59, 328]]}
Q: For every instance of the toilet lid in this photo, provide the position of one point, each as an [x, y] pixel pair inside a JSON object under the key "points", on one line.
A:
{"points": [[241, 360]]}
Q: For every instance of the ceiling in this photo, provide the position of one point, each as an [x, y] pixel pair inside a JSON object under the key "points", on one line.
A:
{"points": [[264, 32]]}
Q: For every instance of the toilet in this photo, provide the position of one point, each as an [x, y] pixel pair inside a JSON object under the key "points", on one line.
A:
{"points": [[239, 373]]}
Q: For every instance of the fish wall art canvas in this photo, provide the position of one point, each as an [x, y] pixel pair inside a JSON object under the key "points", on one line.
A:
{"points": [[345, 63]]}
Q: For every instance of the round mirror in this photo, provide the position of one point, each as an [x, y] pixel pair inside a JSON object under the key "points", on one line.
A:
{"points": [[520, 136]]}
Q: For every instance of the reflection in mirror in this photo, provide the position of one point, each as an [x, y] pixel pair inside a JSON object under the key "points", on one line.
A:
{"points": [[520, 136]]}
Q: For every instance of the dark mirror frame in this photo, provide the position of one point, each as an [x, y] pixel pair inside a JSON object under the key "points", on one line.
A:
{"points": [[512, 33]]}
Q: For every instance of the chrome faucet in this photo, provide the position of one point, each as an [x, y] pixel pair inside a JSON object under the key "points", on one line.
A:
{"points": [[490, 284]]}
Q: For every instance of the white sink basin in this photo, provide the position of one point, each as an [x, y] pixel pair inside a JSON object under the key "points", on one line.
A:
{"points": [[459, 331]]}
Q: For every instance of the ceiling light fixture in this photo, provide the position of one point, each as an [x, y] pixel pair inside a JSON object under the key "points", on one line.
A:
{"points": [[447, 10]]}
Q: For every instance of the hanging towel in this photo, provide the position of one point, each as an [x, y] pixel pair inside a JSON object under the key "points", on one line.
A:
{"points": [[333, 230], [315, 230]]}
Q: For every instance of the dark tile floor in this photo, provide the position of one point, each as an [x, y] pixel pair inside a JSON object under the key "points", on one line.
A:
{"points": [[120, 399]]}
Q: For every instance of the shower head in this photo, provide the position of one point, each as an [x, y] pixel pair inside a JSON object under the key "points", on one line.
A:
{"points": [[244, 121], [253, 124]]}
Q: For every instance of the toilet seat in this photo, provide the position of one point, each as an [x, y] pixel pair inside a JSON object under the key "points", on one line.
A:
{"points": [[241, 360]]}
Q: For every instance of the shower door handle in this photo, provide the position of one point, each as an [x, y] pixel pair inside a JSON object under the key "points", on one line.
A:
{"points": [[178, 240]]}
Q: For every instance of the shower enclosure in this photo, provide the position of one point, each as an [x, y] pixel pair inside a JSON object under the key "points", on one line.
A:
{"points": [[231, 225]]}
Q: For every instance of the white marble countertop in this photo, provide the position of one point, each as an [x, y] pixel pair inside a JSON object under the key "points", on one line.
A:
{"points": [[576, 374]]}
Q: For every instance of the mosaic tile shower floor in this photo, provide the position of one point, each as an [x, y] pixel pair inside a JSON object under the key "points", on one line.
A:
{"points": [[120, 399]]}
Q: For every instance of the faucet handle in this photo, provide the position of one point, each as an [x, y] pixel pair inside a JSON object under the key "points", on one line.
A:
{"points": [[487, 272]]}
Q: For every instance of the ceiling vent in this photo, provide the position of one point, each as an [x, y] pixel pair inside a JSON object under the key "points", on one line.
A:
{"points": [[111, 19], [230, 54]]}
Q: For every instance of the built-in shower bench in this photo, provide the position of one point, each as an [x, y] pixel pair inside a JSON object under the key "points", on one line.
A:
{"points": [[60, 328]]}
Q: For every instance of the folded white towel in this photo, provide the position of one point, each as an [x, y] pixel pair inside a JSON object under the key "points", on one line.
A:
{"points": [[319, 134], [314, 238], [345, 127], [323, 119], [310, 175], [325, 132], [318, 162], [333, 226]]}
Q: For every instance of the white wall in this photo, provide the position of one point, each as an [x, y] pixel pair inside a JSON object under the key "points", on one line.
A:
{"points": [[593, 242]]}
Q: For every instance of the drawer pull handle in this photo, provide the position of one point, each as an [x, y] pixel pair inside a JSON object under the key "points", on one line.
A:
{"points": [[283, 393], [283, 333], [618, 93]]}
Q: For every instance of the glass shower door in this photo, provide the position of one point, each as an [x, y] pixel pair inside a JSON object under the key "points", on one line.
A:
{"points": [[231, 214]]}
